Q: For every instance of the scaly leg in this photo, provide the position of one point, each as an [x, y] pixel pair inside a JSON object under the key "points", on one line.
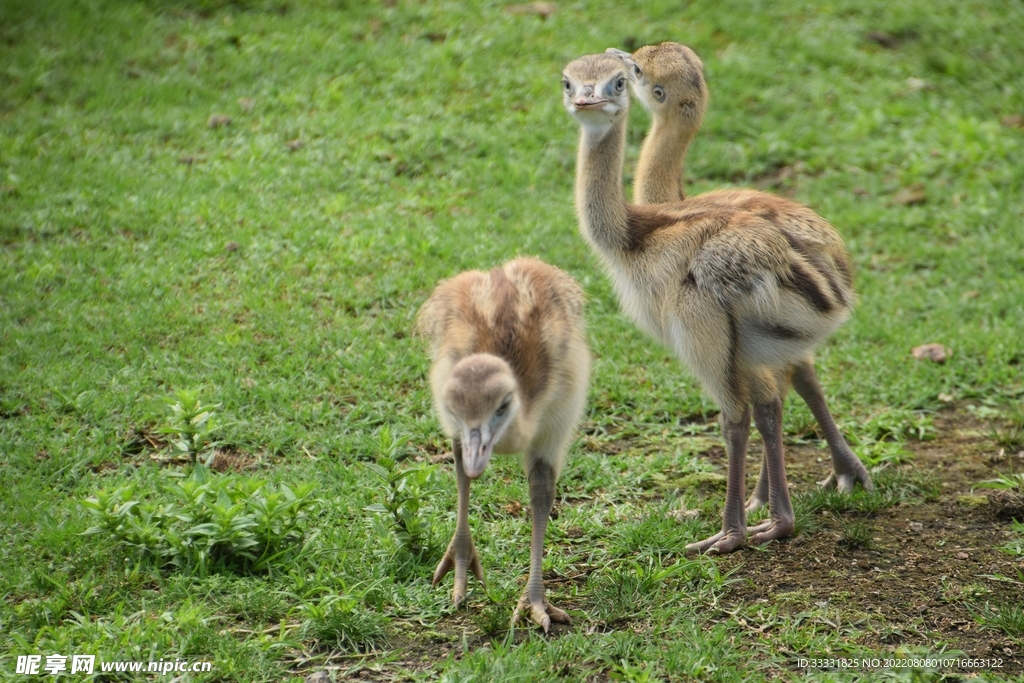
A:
{"points": [[768, 420], [533, 602], [461, 554], [847, 469], [760, 495], [734, 521]]}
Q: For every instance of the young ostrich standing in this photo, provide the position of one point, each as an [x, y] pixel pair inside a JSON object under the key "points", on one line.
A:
{"points": [[740, 300], [668, 79], [509, 375]]}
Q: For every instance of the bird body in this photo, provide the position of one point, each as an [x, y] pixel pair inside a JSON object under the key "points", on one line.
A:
{"points": [[509, 375], [741, 300], [668, 79]]}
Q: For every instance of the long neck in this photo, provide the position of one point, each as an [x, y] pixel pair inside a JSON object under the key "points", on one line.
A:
{"points": [[600, 201], [659, 170]]}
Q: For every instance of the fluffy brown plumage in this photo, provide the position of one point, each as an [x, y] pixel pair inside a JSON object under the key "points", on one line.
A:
{"points": [[741, 300], [668, 79], [509, 375]]}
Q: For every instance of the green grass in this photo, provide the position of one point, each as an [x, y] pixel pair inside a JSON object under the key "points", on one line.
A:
{"points": [[277, 262]]}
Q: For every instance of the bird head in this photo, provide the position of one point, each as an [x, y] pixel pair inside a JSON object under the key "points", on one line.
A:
{"points": [[668, 79], [479, 401], [594, 90]]}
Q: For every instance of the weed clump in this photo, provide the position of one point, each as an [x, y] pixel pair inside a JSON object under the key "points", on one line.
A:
{"points": [[204, 523]]}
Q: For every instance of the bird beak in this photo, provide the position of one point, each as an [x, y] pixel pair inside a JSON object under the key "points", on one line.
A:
{"points": [[475, 453], [583, 102]]}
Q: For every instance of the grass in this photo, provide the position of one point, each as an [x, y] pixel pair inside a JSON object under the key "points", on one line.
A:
{"points": [[276, 259]]}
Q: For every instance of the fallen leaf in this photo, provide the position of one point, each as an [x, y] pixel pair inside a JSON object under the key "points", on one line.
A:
{"points": [[246, 103], [933, 352], [218, 121], [231, 246], [884, 38], [1013, 121], [911, 195], [295, 145], [946, 398], [971, 294], [541, 9], [916, 526]]}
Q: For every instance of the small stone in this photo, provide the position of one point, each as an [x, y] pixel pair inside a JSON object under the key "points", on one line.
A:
{"points": [[916, 83], [933, 352], [231, 246], [295, 145], [245, 103], [318, 677], [946, 398], [962, 556], [916, 527], [218, 121]]}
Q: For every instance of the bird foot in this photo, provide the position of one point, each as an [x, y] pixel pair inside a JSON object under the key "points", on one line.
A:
{"points": [[754, 503], [541, 612], [460, 555], [771, 530], [719, 544], [844, 482]]}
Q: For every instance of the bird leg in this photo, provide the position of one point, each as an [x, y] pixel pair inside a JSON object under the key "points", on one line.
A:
{"points": [[847, 469], [461, 554], [734, 521], [760, 495], [534, 603], [768, 420]]}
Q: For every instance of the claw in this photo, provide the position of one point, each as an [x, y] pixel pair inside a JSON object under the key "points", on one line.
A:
{"points": [[719, 544], [771, 530], [845, 482], [541, 613], [459, 555]]}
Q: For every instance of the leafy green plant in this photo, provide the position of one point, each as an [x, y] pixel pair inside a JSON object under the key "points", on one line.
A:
{"points": [[1004, 482], [190, 424], [1015, 546], [406, 494], [205, 523], [1008, 618], [1011, 435]]}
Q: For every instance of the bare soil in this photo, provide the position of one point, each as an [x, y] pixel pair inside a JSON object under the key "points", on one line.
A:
{"points": [[928, 564]]}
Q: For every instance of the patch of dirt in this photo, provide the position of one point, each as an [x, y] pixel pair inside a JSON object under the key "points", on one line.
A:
{"points": [[929, 568], [231, 459]]}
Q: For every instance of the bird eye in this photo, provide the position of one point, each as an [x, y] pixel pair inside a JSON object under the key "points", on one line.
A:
{"points": [[566, 86], [502, 409], [637, 71], [659, 93], [620, 84]]}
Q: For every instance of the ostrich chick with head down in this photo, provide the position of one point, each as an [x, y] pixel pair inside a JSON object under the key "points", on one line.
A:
{"points": [[668, 79], [509, 375], [740, 300]]}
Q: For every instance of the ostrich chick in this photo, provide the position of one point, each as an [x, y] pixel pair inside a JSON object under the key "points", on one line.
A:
{"points": [[509, 375], [739, 299], [668, 79]]}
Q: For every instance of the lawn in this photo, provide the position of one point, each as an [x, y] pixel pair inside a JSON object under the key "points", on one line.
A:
{"points": [[245, 203]]}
